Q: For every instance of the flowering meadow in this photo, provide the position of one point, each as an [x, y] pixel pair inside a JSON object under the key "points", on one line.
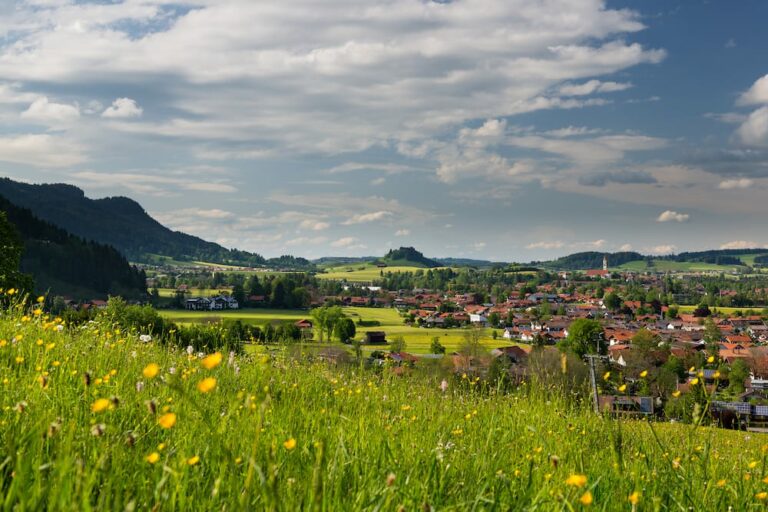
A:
{"points": [[96, 418]]}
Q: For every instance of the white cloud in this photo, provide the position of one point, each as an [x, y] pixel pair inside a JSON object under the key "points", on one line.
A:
{"points": [[741, 244], [736, 183], [210, 187], [303, 240], [757, 94], [545, 245], [45, 112], [625, 248], [662, 249], [240, 70], [155, 184], [479, 246], [123, 108], [754, 131], [41, 150], [673, 216], [313, 225], [403, 232], [592, 87], [365, 218], [348, 242]]}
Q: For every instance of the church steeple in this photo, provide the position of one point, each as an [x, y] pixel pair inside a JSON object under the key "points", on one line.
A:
{"points": [[605, 262]]}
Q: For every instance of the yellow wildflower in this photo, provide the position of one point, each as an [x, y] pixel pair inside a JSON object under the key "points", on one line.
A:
{"points": [[576, 480], [643, 374], [586, 499], [606, 375], [206, 385], [623, 388], [290, 444], [151, 370], [167, 420], [634, 498], [762, 496], [694, 381], [153, 457], [193, 460], [100, 405], [676, 394], [212, 361]]}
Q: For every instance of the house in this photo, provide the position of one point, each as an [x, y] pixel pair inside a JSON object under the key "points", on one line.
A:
{"points": [[198, 304], [375, 338]]}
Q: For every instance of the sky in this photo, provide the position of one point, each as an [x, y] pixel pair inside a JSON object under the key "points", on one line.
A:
{"points": [[507, 130]]}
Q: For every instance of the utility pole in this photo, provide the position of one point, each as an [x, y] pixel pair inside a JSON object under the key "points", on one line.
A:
{"points": [[593, 379]]}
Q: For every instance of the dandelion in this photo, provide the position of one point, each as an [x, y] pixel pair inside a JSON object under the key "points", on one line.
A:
{"points": [[151, 370], [606, 375], [643, 374], [576, 480], [676, 394], [167, 420], [153, 457], [193, 460], [586, 499], [762, 496], [711, 359], [206, 385], [623, 388], [40, 299], [753, 464], [634, 498], [212, 361], [716, 374], [102, 404], [694, 381], [722, 482], [290, 444]]}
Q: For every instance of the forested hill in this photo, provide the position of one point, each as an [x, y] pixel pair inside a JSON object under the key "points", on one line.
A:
{"points": [[117, 221], [592, 260], [67, 265], [408, 257]]}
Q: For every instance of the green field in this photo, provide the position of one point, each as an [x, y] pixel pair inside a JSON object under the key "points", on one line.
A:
{"points": [[678, 266], [725, 311], [117, 424], [418, 339], [363, 272]]}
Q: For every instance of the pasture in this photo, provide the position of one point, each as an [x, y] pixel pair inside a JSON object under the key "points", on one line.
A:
{"points": [[418, 339], [678, 266], [363, 273]]}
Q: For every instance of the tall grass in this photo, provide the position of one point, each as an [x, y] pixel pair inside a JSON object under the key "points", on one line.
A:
{"points": [[284, 434]]}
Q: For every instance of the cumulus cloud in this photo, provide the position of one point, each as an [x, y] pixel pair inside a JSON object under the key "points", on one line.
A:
{"points": [[673, 216], [402, 232], [662, 249], [625, 248], [46, 112], [314, 225], [238, 70], [592, 87], [123, 108], [736, 183], [621, 177], [545, 245], [348, 242], [741, 244], [41, 150], [757, 94], [364, 218], [754, 131]]}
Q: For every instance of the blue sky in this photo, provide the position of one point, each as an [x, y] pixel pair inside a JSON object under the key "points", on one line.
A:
{"points": [[501, 129]]}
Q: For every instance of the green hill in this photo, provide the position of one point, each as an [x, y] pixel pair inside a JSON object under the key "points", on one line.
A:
{"points": [[408, 257], [119, 222], [67, 265]]}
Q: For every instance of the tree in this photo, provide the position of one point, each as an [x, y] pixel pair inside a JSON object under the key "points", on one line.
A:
{"points": [[436, 347], [736, 377], [344, 329], [238, 293], [397, 344], [494, 319], [612, 301], [712, 337], [585, 336], [470, 345], [645, 341], [11, 249], [702, 311]]}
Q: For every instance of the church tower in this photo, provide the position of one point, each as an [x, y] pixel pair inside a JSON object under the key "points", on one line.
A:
{"points": [[605, 262]]}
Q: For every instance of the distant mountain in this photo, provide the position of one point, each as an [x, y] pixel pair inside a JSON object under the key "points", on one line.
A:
{"points": [[67, 265], [408, 257], [119, 222], [594, 260]]}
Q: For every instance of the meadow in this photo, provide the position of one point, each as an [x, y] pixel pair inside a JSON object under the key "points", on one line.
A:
{"points": [[677, 266], [418, 339], [97, 418], [363, 273]]}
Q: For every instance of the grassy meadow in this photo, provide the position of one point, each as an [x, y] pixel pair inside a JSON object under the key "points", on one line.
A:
{"points": [[363, 272], [677, 266], [95, 419], [417, 339]]}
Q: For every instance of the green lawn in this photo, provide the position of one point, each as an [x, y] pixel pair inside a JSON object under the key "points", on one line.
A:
{"points": [[726, 311], [418, 339]]}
